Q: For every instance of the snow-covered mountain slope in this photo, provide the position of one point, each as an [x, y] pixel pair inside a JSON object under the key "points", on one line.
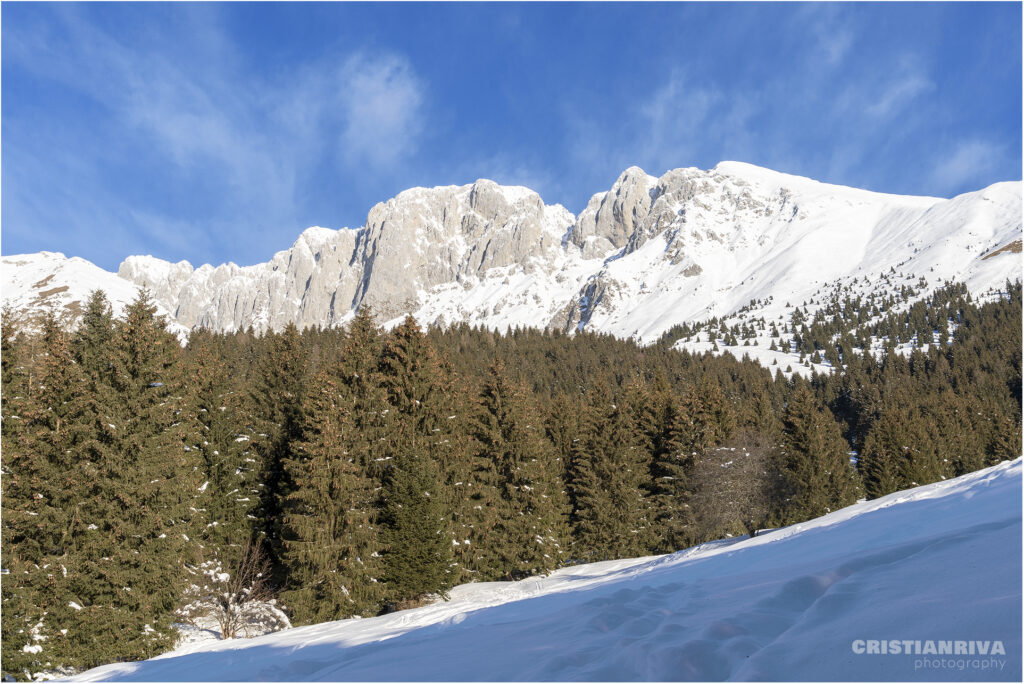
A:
{"points": [[711, 242], [648, 254], [36, 283], [938, 566]]}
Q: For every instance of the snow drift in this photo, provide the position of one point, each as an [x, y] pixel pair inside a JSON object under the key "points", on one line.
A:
{"points": [[876, 591]]}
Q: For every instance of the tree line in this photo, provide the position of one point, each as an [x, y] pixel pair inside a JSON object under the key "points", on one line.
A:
{"points": [[356, 471]]}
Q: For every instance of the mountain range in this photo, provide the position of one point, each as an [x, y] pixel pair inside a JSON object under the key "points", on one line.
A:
{"points": [[732, 242]]}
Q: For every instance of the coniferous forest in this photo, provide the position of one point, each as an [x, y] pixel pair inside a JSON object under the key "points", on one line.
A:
{"points": [[350, 472]]}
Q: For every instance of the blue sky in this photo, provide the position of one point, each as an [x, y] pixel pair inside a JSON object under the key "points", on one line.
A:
{"points": [[217, 132]]}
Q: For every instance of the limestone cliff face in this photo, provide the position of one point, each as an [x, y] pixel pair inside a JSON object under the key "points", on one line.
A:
{"points": [[417, 241], [612, 217], [302, 284], [428, 237]]}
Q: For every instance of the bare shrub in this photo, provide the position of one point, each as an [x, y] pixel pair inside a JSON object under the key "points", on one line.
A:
{"points": [[238, 601], [734, 486]]}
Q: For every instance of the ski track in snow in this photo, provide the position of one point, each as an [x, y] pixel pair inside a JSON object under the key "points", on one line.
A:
{"points": [[939, 562]]}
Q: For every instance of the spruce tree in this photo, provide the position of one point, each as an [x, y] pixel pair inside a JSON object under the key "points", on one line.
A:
{"points": [[705, 419], [94, 335], [38, 466], [331, 540], [9, 350], [136, 482], [881, 458], [229, 497], [416, 503], [329, 535], [672, 461], [611, 517], [562, 428], [521, 529], [275, 407], [814, 460]]}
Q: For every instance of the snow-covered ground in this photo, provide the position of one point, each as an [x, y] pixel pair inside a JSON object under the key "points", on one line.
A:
{"points": [[935, 568], [36, 283]]}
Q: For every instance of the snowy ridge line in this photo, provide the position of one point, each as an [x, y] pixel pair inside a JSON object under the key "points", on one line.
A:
{"points": [[34, 284], [937, 562], [642, 257]]}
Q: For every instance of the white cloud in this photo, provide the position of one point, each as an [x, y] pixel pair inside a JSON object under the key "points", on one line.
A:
{"points": [[673, 120], [898, 93], [963, 166], [508, 169], [830, 28], [251, 140], [382, 101], [674, 126]]}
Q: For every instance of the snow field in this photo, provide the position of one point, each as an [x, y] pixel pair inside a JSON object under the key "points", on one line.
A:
{"points": [[940, 562]]}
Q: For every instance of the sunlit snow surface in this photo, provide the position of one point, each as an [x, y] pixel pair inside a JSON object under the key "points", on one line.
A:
{"points": [[49, 281], [736, 242], [941, 562]]}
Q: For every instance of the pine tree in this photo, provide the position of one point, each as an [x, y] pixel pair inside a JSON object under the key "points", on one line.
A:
{"points": [[881, 458], [330, 538], [416, 535], [562, 428], [672, 461], [94, 335], [230, 494], [38, 516], [275, 406], [9, 351], [135, 485], [416, 504], [705, 419]]}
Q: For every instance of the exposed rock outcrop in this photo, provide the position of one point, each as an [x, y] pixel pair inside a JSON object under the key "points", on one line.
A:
{"points": [[647, 254]]}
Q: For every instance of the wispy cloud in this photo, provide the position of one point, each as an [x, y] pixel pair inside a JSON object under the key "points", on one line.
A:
{"points": [[382, 100], [250, 141], [831, 32], [897, 93], [508, 168], [962, 167], [673, 118], [832, 91], [676, 124]]}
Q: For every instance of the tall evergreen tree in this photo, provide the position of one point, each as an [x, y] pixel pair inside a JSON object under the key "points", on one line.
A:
{"points": [[331, 539], [705, 419], [522, 526], [611, 517], [136, 483], [38, 516], [94, 336], [276, 397], [815, 460], [666, 426], [230, 494], [416, 520], [880, 459], [415, 531]]}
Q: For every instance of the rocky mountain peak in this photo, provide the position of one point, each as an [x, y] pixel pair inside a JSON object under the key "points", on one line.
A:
{"points": [[611, 217], [646, 254]]}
